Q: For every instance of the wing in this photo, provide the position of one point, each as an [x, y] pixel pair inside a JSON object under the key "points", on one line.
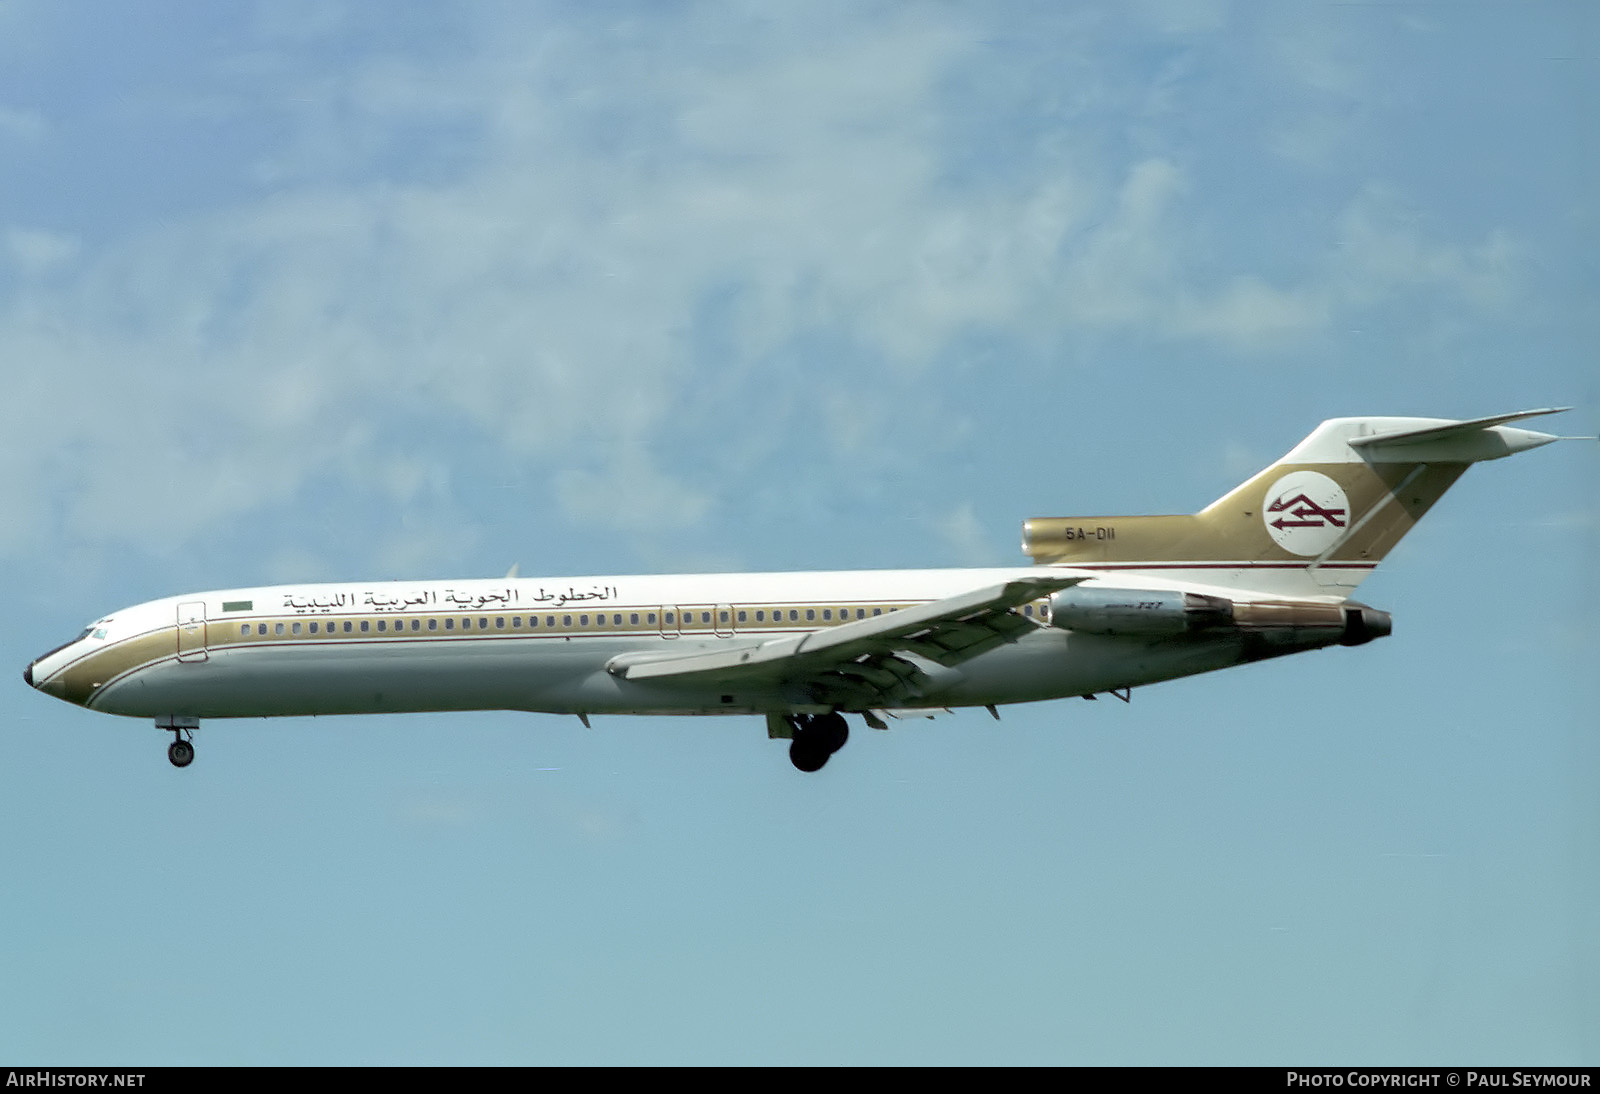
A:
{"points": [[863, 664]]}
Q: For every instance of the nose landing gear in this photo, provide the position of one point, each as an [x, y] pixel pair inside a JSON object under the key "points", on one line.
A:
{"points": [[180, 752]]}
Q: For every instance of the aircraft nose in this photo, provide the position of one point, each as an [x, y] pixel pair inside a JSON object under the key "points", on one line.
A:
{"points": [[27, 674]]}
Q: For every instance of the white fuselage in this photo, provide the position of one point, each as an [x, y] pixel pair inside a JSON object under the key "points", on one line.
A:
{"points": [[544, 645]]}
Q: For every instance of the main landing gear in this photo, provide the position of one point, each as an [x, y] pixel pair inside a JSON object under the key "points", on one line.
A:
{"points": [[181, 750], [816, 737]]}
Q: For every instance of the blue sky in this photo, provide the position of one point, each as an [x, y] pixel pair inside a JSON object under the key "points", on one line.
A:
{"points": [[306, 291]]}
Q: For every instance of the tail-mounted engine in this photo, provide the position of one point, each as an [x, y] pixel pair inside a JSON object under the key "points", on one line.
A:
{"points": [[1162, 612]]}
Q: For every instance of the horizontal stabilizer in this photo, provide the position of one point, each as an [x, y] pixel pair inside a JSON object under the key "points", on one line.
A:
{"points": [[1453, 430]]}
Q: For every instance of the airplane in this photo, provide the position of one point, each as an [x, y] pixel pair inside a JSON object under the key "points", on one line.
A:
{"points": [[1107, 604]]}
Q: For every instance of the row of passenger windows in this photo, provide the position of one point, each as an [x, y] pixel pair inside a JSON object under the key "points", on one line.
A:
{"points": [[590, 621], [594, 620]]}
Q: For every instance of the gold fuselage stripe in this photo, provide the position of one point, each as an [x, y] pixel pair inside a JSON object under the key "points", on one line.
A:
{"points": [[81, 680]]}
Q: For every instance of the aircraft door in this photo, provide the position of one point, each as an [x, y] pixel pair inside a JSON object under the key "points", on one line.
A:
{"points": [[192, 631], [724, 620], [696, 619], [668, 615]]}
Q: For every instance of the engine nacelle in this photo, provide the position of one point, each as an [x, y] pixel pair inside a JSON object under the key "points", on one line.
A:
{"points": [[1137, 611], [1158, 612]]}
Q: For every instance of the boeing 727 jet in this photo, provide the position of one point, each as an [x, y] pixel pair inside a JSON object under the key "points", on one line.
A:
{"points": [[1108, 604]]}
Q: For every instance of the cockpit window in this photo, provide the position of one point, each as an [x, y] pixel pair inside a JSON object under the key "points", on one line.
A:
{"points": [[99, 632], [87, 631]]}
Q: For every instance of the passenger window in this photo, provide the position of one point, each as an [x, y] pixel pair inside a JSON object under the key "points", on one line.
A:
{"points": [[549, 620], [742, 617], [245, 629], [365, 626], [383, 624], [583, 621], [633, 618], [877, 611], [827, 613], [500, 623], [616, 619], [650, 618], [483, 623], [416, 624], [278, 627], [811, 614], [449, 624], [433, 624], [566, 621]]}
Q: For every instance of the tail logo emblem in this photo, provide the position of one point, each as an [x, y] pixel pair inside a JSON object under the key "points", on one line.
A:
{"points": [[1305, 512]]}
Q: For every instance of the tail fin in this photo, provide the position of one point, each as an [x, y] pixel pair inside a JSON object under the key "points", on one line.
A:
{"points": [[1315, 523]]}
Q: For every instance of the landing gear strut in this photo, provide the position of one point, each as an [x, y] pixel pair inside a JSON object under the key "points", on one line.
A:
{"points": [[816, 737], [180, 751]]}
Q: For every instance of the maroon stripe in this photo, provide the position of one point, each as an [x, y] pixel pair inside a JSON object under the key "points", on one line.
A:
{"points": [[1219, 566]]}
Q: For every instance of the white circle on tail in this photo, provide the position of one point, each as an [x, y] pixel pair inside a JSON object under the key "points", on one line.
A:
{"points": [[1305, 512]]}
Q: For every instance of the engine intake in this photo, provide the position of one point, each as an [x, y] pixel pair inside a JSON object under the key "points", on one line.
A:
{"points": [[1137, 611]]}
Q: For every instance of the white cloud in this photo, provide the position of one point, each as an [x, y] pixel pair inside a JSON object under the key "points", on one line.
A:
{"points": [[1383, 248], [970, 542], [19, 124], [630, 494], [1249, 313], [37, 252], [612, 221]]}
